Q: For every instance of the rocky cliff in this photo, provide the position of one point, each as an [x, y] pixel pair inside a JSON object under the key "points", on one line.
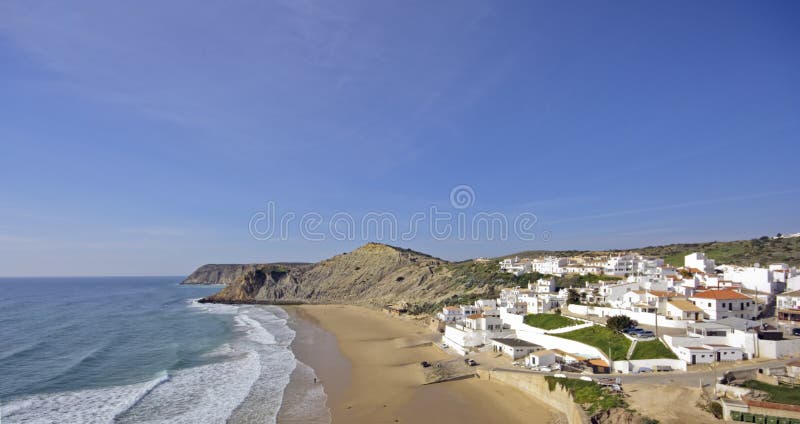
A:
{"points": [[224, 273], [374, 274]]}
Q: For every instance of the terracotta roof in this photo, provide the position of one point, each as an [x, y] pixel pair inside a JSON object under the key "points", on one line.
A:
{"points": [[475, 316], [721, 295], [598, 362], [685, 305], [795, 293], [452, 308]]}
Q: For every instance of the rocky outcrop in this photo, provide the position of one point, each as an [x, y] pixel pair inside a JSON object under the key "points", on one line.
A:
{"points": [[217, 274], [374, 274]]}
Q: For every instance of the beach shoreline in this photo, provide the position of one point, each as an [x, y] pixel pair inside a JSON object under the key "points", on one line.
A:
{"points": [[369, 365]]}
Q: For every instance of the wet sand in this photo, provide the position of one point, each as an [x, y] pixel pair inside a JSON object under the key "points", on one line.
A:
{"points": [[369, 366]]}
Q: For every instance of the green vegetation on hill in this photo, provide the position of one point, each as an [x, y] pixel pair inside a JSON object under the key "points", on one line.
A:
{"points": [[651, 350], [603, 338], [590, 395], [763, 250], [470, 274], [549, 321], [777, 394]]}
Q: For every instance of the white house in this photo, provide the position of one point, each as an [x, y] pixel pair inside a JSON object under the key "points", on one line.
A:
{"points": [[549, 265], [753, 278], [486, 303], [695, 354], [483, 322], [699, 261], [515, 266], [543, 285], [682, 309], [655, 299], [451, 314], [788, 306], [723, 353], [542, 303], [793, 283], [719, 304], [613, 292], [514, 348], [623, 264], [541, 358], [468, 310]]}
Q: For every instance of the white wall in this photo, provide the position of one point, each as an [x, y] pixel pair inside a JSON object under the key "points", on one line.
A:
{"points": [[640, 317], [636, 364], [461, 340], [778, 348]]}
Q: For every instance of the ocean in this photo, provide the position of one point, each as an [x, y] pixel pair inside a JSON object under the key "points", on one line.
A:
{"points": [[142, 350]]}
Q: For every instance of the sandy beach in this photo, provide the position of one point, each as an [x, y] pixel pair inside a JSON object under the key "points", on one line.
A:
{"points": [[369, 366]]}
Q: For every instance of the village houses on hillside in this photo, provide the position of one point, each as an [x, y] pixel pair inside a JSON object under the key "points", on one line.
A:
{"points": [[718, 306]]}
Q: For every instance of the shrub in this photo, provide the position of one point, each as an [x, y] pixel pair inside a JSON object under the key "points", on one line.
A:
{"points": [[620, 322], [715, 409]]}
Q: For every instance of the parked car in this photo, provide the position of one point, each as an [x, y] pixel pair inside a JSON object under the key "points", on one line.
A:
{"points": [[796, 331], [633, 330], [585, 378], [472, 363], [644, 335], [444, 346], [425, 364]]}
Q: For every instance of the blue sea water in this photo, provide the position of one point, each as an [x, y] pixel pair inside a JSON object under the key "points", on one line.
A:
{"points": [[139, 349]]}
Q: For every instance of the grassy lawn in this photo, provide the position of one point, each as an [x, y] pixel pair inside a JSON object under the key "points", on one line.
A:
{"points": [[777, 394], [652, 349], [549, 321], [602, 338], [593, 397]]}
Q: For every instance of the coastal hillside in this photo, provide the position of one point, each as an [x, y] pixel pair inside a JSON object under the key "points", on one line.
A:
{"points": [[374, 274], [764, 250], [378, 274]]}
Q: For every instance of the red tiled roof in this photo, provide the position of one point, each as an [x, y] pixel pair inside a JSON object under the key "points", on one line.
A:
{"points": [[721, 295], [475, 316]]}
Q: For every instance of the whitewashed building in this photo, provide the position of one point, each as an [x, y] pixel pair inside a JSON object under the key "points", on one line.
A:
{"points": [[550, 265], [543, 285], [753, 278], [541, 358], [514, 348], [699, 261], [788, 306], [719, 304], [695, 354]]}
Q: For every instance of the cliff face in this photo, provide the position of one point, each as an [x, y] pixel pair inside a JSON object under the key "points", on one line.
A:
{"points": [[225, 273], [374, 274]]}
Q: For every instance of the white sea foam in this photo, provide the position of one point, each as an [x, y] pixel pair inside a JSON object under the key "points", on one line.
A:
{"points": [[256, 331], [83, 406], [207, 394]]}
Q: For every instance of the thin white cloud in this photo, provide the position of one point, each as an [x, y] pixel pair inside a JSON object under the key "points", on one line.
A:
{"points": [[703, 202]]}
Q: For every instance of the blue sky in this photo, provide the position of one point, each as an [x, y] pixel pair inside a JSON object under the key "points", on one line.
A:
{"points": [[141, 138]]}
